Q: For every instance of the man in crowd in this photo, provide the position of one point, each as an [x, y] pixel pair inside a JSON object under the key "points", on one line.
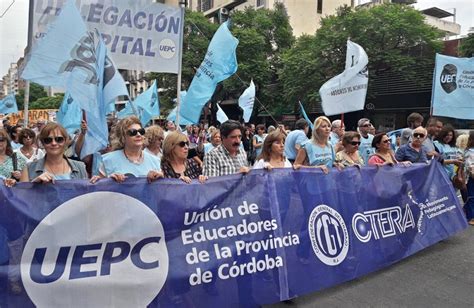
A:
{"points": [[365, 148], [337, 131], [170, 127], [433, 126], [414, 120], [229, 157], [295, 138]]}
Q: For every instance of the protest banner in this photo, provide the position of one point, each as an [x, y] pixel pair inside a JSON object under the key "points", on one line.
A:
{"points": [[453, 87], [140, 34], [34, 116], [239, 240]]}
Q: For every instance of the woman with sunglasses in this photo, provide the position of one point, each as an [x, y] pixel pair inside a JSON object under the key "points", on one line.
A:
{"points": [[154, 136], [10, 162], [318, 151], [175, 162], [383, 151], [29, 151], [128, 157], [54, 165], [445, 143], [349, 156]]}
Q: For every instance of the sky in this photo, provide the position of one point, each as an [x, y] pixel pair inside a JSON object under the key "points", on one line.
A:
{"points": [[14, 24]]}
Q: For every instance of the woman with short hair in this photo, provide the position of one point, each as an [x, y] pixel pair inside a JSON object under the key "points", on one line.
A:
{"points": [[350, 156], [383, 151], [175, 162], [317, 152], [54, 165], [154, 136], [258, 139], [29, 151], [128, 157]]}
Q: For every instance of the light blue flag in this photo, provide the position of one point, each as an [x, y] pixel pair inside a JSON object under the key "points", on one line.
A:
{"points": [[66, 57], [69, 114], [8, 104], [172, 114], [127, 111], [220, 115], [453, 87], [219, 63], [148, 104], [305, 116], [246, 101], [114, 85]]}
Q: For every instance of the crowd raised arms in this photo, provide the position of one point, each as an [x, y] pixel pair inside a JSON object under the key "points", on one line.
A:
{"points": [[48, 153]]}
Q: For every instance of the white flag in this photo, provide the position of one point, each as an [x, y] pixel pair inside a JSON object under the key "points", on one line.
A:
{"points": [[246, 101], [220, 115], [346, 92]]}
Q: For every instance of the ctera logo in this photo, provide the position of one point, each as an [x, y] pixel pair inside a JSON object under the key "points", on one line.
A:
{"points": [[448, 78], [100, 249], [328, 234]]}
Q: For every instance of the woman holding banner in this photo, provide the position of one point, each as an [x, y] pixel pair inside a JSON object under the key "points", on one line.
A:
{"points": [[273, 152], [175, 162], [317, 152], [10, 162], [54, 165], [350, 156], [128, 157]]}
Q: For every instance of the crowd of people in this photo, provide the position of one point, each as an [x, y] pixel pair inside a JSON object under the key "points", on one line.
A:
{"points": [[48, 153]]}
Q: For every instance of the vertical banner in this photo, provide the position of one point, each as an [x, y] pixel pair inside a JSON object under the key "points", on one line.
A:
{"points": [[234, 241], [453, 87], [140, 34]]}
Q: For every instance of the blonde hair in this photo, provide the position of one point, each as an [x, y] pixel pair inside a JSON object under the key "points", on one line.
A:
{"points": [[317, 123], [171, 140], [461, 141], [152, 133], [119, 132]]}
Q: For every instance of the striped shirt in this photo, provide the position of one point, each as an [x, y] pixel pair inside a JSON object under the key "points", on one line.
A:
{"points": [[219, 162]]}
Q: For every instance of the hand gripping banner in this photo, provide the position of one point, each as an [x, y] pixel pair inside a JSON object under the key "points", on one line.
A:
{"points": [[240, 240]]}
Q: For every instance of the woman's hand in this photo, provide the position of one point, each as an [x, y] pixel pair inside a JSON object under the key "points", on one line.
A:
{"points": [[95, 179], [324, 168], [44, 178], [268, 166], [118, 177], [9, 182], [185, 179], [154, 175], [202, 179], [244, 170], [16, 175], [297, 166]]}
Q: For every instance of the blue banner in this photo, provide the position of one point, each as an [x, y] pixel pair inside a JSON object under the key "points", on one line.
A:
{"points": [[69, 114], [239, 240], [305, 116], [453, 87]]}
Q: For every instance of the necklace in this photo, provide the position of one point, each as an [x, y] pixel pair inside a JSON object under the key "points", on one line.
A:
{"points": [[61, 171], [137, 161]]}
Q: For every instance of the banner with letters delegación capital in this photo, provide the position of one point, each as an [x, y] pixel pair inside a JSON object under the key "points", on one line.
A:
{"points": [[239, 240]]}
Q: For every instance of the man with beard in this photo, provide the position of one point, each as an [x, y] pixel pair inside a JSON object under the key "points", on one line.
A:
{"points": [[229, 157]]}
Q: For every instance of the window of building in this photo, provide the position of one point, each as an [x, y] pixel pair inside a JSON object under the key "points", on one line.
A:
{"points": [[319, 7], [260, 3], [205, 5]]}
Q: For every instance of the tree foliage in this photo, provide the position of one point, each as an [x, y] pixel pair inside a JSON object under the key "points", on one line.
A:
{"points": [[49, 102], [36, 92], [395, 38], [467, 46]]}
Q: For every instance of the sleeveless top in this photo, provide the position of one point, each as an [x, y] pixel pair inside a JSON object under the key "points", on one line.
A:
{"points": [[317, 155]]}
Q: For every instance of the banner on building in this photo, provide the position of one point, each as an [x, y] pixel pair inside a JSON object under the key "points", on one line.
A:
{"points": [[140, 34], [239, 240], [453, 87]]}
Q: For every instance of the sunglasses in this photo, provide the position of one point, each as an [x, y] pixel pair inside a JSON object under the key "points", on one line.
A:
{"points": [[420, 136], [355, 143], [367, 125], [386, 141], [183, 143], [133, 132], [27, 137], [58, 140]]}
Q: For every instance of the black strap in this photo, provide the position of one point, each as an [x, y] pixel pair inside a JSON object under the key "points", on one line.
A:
{"points": [[15, 162]]}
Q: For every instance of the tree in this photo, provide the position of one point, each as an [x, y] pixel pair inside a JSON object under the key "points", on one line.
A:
{"points": [[467, 46], [36, 92], [48, 102], [395, 38]]}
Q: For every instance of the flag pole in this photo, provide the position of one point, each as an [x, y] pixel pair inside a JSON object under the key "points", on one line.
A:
{"points": [[180, 62], [26, 103]]}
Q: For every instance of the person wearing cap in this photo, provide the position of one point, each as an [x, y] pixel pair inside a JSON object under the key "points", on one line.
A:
{"points": [[295, 139], [365, 148]]}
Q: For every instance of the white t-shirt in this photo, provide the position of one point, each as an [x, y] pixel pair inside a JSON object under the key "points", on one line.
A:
{"points": [[261, 164]]}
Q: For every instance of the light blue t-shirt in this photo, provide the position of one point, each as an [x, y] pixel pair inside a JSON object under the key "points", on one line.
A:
{"points": [[259, 140], [318, 156], [296, 137], [448, 152], [116, 162], [365, 148], [333, 138], [64, 176], [208, 147]]}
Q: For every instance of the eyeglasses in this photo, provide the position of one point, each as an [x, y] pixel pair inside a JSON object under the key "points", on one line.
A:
{"points": [[367, 125], [354, 143], [386, 141], [27, 137], [419, 136], [183, 143], [133, 132], [58, 140]]}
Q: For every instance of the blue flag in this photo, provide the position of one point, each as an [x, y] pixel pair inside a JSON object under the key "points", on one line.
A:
{"points": [[8, 104], [219, 63], [246, 101], [126, 111], [114, 85], [69, 114], [305, 116], [453, 88], [148, 104]]}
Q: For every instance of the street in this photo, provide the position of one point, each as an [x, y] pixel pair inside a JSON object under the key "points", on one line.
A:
{"points": [[439, 276]]}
